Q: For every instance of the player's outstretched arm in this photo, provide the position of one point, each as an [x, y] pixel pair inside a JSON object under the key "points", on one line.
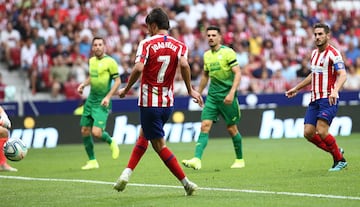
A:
{"points": [[185, 73], [81, 87], [293, 91], [134, 76]]}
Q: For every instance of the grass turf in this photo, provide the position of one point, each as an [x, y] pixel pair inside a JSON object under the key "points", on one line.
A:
{"points": [[283, 172]]}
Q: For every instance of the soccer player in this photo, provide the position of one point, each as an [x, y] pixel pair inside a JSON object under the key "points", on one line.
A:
{"points": [[327, 77], [5, 125], [222, 68], [104, 81], [157, 59]]}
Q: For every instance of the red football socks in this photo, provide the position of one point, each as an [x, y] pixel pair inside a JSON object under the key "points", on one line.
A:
{"points": [[319, 143], [2, 156], [137, 152], [333, 147], [171, 162]]}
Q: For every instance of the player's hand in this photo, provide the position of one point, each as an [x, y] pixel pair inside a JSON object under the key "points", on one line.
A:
{"points": [[228, 99], [333, 97], [5, 122], [197, 98], [122, 93], [105, 102], [80, 89], [291, 93]]}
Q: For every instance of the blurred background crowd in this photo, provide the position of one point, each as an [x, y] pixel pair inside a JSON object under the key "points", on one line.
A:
{"points": [[47, 43]]}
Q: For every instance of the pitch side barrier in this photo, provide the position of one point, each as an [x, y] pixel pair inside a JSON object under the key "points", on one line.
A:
{"points": [[249, 101], [184, 126]]}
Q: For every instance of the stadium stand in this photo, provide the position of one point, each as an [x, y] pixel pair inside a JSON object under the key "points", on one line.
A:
{"points": [[254, 28]]}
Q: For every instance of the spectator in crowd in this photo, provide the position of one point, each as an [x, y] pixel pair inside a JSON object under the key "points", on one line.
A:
{"points": [[262, 71], [58, 12], [51, 47], [216, 12], [85, 46], [2, 88], [124, 77], [36, 38], [242, 54], [39, 74], [83, 14], [92, 22], [79, 69], [46, 30], [304, 69], [75, 53], [288, 70], [196, 69], [188, 17], [10, 44], [59, 73], [277, 83], [351, 37], [62, 39], [286, 23], [28, 51], [179, 85], [36, 19], [245, 83], [352, 53], [255, 41], [273, 63], [70, 88], [353, 79], [277, 39], [196, 9], [126, 19], [268, 49]]}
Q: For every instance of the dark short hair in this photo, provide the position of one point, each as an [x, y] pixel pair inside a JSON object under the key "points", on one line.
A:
{"points": [[214, 28], [98, 38], [322, 25], [159, 17]]}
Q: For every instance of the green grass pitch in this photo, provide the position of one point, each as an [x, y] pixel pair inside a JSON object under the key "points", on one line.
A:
{"points": [[283, 172]]}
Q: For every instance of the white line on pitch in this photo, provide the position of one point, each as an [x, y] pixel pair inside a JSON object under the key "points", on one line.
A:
{"points": [[172, 186]]}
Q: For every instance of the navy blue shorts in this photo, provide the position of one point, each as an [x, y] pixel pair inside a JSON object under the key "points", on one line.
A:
{"points": [[153, 119], [320, 109]]}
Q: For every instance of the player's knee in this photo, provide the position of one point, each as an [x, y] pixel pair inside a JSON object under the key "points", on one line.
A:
{"points": [[232, 129], [85, 131], [309, 134], [96, 134], [205, 126], [3, 132]]}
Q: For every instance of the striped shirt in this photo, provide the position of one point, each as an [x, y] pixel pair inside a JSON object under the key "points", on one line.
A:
{"points": [[324, 66], [160, 55]]}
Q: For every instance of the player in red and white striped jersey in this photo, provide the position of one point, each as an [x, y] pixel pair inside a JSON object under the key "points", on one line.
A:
{"points": [[157, 59], [327, 77], [160, 54]]}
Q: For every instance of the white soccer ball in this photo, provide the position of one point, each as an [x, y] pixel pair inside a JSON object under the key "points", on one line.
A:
{"points": [[15, 149]]}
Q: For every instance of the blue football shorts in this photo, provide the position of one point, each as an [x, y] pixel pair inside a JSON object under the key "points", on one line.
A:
{"points": [[153, 119], [320, 109]]}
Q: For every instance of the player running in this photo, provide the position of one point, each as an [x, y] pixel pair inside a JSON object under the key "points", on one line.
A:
{"points": [[104, 81], [222, 68], [157, 59], [327, 77]]}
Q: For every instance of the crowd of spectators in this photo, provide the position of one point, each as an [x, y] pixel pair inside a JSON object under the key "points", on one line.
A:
{"points": [[50, 40]]}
